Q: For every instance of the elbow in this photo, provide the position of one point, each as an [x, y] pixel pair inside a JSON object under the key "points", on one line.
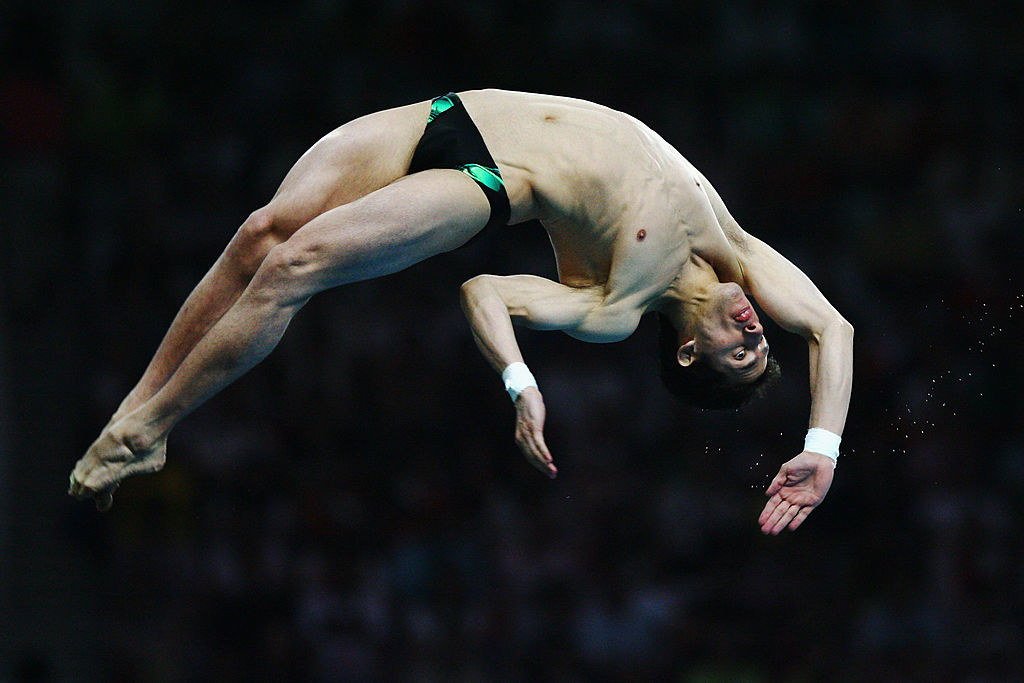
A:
{"points": [[843, 329], [473, 283], [468, 287], [471, 290], [837, 328], [846, 327]]}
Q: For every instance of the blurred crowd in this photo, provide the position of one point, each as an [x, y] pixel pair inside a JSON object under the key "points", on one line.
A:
{"points": [[355, 508]]}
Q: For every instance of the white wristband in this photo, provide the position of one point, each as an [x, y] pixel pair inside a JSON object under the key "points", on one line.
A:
{"points": [[824, 442], [517, 377]]}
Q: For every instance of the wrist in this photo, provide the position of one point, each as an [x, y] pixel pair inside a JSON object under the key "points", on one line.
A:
{"points": [[823, 442], [517, 378]]}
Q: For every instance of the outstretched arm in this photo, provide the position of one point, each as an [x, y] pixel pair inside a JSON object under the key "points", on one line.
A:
{"points": [[491, 304], [790, 298]]}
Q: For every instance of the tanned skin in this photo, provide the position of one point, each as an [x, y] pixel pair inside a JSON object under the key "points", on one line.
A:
{"points": [[634, 228]]}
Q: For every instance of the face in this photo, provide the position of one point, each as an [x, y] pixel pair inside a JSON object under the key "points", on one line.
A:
{"points": [[729, 335]]}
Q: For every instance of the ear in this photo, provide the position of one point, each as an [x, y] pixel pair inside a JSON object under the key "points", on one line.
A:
{"points": [[685, 355]]}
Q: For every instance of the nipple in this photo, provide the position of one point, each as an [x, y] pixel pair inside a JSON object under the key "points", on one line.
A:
{"points": [[641, 235]]}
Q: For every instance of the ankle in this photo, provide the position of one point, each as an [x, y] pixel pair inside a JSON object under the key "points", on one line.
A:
{"points": [[135, 432]]}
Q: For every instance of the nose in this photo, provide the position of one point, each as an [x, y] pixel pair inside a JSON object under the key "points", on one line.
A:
{"points": [[753, 332]]}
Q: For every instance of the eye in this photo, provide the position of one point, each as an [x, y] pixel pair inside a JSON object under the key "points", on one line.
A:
{"points": [[740, 354]]}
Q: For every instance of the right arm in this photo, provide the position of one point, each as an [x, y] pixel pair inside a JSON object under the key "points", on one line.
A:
{"points": [[492, 303]]}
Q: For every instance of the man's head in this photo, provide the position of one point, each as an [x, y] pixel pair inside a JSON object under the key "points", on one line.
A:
{"points": [[722, 360]]}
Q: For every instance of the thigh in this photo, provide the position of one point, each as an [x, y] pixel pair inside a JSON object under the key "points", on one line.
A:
{"points": [[348, 163], [388, 230]]}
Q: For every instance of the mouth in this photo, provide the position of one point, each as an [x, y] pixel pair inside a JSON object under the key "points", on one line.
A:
{"points": [[744, 314]]}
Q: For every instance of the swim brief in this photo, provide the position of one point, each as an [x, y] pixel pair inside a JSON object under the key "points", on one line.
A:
{"points": [[451, 140]]}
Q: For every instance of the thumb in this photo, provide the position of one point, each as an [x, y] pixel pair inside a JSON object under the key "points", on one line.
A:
{"points": [[777, 482]]}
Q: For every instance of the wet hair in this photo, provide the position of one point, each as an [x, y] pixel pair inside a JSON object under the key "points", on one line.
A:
{"points": [[701, 386]]}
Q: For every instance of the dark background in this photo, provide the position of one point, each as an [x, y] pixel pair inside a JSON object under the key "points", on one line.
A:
{"points": [[356, 508]]}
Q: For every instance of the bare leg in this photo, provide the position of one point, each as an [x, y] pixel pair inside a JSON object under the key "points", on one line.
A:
{"points": [[358, 158], [211, 298], [386, 231]]}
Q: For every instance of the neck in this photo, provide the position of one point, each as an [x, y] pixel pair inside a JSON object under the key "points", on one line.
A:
{"points": [[686, 296]]}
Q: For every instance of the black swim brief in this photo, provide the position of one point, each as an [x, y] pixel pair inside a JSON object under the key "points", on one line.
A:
{"points": [[451, 140]]}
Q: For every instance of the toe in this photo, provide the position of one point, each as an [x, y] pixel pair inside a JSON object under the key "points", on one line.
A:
{"points": [[105, 499]]}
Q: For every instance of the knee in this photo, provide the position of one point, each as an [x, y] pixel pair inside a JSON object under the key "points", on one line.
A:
{"points": [[254, 240], [289, 272], [260, 227]]}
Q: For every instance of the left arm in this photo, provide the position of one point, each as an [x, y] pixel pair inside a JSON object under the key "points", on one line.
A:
{"points": [[790, 298], [795, 303]]}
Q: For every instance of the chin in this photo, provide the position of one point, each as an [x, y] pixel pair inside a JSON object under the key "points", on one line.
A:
{"points": [[731, 290], [724, 300]]}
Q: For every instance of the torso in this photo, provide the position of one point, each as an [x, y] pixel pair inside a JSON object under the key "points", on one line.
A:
{"points": [[623, 209]]}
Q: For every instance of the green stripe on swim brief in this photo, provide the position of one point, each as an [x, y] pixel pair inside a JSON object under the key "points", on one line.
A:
{"points": [[491, 177], [439, 106]]}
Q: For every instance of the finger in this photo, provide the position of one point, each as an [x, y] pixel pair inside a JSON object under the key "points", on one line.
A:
{"points": [[549, 463], [550, 469], [543, 462], [776, 515], [799, 519], [769, 508], [531, 443], [777, 483], [542, 448], [536, 460], [785, 519], [525, 443], [534, 451]]}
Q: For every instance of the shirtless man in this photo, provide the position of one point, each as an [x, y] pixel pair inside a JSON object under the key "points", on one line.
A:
{"points": [[634, 226]]}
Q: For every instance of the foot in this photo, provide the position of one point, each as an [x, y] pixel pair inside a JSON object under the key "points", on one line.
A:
{"points": [[114, 456]]}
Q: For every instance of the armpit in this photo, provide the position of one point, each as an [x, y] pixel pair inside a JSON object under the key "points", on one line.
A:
{"points": [[605, 324]]}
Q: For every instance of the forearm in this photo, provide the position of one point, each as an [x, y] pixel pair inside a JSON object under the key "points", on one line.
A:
{"points": [[831, 375], [491, 323]]}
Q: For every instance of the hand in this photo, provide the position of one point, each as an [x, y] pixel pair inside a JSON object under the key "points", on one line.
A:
{"points": [[530, 431], [109, 460], [796, 490]]}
